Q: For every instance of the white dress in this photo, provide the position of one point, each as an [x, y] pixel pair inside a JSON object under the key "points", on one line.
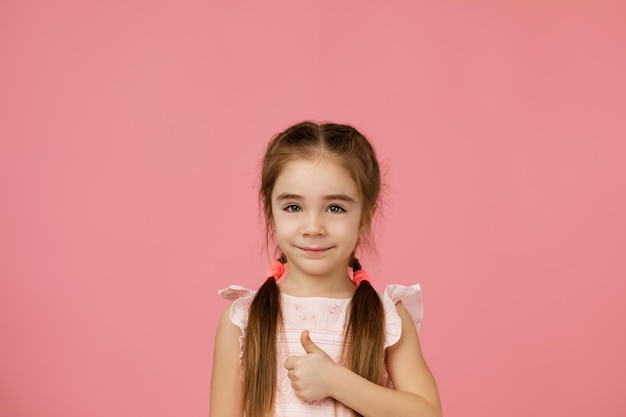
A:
{"points": [[325, 319]]}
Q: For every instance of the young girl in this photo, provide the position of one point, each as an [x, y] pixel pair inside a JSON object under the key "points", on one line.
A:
{"points": [[316, 339]]}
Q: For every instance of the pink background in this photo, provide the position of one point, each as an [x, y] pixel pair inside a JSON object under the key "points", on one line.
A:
{"points": [[130, 139]]}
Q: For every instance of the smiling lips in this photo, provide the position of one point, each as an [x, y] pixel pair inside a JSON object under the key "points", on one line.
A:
{"points": [[313, 251]]}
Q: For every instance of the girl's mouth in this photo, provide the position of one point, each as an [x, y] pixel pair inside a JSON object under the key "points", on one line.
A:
{"points": [[313, 251]]}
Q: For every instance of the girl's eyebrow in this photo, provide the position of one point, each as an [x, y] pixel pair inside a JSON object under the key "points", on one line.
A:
{"points": [[341, 197], [288, 196]]}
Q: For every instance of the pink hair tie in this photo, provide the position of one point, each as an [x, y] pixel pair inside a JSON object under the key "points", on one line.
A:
{"points": [[277, 269], [359, 276]]}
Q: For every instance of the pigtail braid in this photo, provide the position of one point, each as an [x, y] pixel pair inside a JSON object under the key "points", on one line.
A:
{"points": [[364, 337], [259, 350]]}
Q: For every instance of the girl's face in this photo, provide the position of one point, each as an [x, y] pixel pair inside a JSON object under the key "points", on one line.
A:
{"points": [[317, 211]]}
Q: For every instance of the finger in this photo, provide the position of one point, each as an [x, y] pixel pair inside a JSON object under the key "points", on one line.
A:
{"points": [[308, 344], [290, 362]]}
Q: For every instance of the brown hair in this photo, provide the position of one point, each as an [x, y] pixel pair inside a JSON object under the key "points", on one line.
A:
{"points": [[363, 350]]}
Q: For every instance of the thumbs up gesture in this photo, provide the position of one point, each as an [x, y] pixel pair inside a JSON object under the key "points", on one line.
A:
{"points": [[310, 373]]}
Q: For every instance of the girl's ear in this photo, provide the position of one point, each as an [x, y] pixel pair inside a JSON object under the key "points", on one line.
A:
{"points": [[366, 221], [373, 211]]}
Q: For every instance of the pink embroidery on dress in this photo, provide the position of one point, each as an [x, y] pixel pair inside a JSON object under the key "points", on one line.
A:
{"points": [[334, 310], [310, 319]]}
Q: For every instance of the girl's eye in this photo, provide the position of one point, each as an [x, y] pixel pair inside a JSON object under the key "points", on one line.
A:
{"points": [[336, 209], [292, 208]]}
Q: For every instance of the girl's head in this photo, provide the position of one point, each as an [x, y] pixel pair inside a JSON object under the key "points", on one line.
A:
{"points": [[339, 144]]}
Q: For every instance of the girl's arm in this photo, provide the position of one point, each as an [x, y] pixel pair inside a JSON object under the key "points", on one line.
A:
{"points": [[226, 382], [415, 391]]}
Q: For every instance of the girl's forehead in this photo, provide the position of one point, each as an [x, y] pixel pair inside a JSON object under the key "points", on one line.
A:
{"points": [[323, 176]]}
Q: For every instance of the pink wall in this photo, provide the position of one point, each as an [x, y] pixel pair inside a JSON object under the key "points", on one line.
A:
{"points": [[130, 137]]}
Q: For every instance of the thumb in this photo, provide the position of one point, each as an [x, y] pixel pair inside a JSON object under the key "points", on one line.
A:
{"points": [[308, 344]]}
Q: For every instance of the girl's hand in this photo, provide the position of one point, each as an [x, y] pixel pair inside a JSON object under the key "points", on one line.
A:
{"points": [[310, 374]]}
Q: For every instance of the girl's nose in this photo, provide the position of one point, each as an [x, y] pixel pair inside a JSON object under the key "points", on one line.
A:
{"points": [[313, 225]]}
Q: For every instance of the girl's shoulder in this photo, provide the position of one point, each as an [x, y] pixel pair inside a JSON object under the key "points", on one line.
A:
{"points": [[241, 298], [411, 298]]}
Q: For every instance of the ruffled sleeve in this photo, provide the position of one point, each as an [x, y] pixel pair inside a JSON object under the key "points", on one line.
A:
{"points": [[241, 298], [411, 297]]}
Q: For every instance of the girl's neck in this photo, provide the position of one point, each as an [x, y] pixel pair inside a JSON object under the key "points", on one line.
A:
{"points": [[319, 286]]}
